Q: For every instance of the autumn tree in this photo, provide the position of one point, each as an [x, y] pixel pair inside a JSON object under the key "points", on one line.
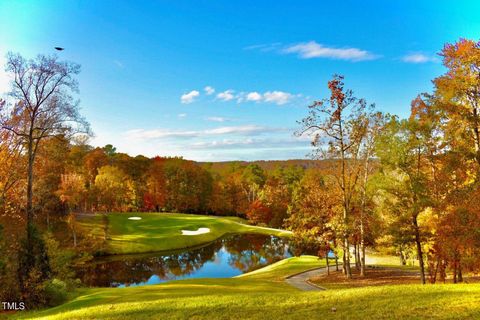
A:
{"points": [[259, 213], [313, 210], [11, 159], [43, 107], [155, 195], [188, 186], [457, 98], [374, 122], [339, 122], [114, 189]]}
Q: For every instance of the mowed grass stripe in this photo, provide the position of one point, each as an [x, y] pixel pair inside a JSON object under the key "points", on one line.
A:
{"points": [[162, 231]]}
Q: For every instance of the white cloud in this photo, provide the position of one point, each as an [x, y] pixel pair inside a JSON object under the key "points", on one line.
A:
{"points": [[182, 115], [189, 97], [312, 49], [418, 58], [278, 97], [287, 142], [209, 90], [254, 96], [217, 119], [226, 95], [246, 129], [142, 134]]}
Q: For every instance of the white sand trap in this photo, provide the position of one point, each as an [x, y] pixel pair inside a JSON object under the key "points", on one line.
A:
{"points": [[135, 218], [194, 233]]}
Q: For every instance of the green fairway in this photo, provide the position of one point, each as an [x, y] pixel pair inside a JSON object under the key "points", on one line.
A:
{"points": [[262, 295], [163, 231]]}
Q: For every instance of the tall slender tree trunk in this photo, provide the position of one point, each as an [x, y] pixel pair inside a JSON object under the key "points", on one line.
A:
{"points": [[363, 214], [455, 272], [476, 132], [419, 249], [29, 208], [459, 272], [328, 264]]}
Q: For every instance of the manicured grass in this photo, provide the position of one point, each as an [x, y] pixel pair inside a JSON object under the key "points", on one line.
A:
{"points": [[260, 295], [283, 268], [163, 231]]}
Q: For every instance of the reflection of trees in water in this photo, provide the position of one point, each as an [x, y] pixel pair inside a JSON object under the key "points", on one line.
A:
{"points": [[131, 270], [244, 252], [251, 252]]}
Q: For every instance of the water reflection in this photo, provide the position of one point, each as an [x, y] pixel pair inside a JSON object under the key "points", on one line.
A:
{"points": [[224, 258]]}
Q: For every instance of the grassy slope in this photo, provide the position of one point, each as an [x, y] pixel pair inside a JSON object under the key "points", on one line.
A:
{"points": [[163, 231], [261, 295]]}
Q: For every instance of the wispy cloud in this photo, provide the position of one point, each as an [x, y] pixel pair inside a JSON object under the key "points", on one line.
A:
{"points": [[251, 143], [182, 115], [209, 90], [419, 58], [264, 47], [118, 64], [189, 97], [217, 119], [246, 130], [312, 49]]}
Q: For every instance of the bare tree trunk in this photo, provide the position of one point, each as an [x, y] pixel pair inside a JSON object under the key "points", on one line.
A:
{"points": [[455, 272], [328, 265], [362, 215], [29, 208], [346, 258], [459, 272], [403, 258], [336, 262], [419, 249], [435, 272], [357, 258], [443, 274], [355, 254]]}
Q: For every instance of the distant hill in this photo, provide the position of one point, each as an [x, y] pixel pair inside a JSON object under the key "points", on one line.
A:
{"points": [[266, 164]]}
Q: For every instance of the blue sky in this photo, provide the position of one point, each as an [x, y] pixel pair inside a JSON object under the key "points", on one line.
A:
{"points": [[146, 65]]}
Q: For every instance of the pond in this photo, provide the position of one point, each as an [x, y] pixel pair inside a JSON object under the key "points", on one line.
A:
{"points": [[227, 257]]}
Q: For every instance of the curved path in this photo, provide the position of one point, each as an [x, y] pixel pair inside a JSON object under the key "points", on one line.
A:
{"points": [[301, 280]]}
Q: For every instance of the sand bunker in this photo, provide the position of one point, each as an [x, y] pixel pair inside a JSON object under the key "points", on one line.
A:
{"points": [[135, 218], [193, 233]]}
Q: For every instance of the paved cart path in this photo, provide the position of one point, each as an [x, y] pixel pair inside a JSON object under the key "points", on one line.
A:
{"points": [[300, 280]]}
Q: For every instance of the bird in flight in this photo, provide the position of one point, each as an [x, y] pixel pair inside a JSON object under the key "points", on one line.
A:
{"points": [[59, 48]]}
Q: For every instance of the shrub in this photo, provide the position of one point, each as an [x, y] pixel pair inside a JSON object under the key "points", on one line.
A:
{"points": [[55, 292]]}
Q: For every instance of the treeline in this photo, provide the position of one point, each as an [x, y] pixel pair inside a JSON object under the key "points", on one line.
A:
{"points": [[84, 179]]}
